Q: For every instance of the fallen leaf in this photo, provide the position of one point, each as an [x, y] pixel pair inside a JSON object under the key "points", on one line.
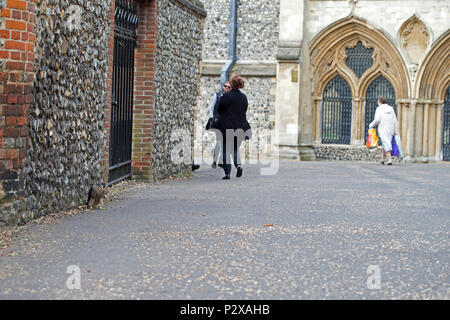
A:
{"points": [[269, 225]]}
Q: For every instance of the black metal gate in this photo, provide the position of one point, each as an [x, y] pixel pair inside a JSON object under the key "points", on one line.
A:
{"points": [[446, 132], [337, 112], [379, 87], [126, 21]]}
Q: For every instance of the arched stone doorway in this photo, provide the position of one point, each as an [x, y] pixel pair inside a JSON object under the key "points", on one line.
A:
{"points": [[431, 109], [336, 120], [379, 87], [370, 64]]}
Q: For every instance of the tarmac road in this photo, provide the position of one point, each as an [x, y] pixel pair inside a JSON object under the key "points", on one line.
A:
{"points": [[315, 230]]}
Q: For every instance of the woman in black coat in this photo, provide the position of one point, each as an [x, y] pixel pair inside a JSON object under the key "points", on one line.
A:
{"points": [[233, 124]]}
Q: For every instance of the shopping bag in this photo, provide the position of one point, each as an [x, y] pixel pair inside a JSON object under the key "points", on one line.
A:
{"points": [[372, 139], [394, 152], [398, 142]]}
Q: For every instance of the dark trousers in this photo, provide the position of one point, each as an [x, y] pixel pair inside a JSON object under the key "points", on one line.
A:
{"points": [[231, 148]]}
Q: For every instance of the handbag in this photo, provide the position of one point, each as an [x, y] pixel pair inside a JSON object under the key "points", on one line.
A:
{"points": [[212, 123], [372, 139]]}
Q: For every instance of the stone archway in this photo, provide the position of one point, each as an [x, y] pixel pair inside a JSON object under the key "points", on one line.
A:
{"points": [[329, 52], [433, 77], [432, 82]]}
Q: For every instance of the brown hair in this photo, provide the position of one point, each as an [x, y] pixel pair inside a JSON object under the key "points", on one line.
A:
{"points": [[382, 100], [236, 81]]}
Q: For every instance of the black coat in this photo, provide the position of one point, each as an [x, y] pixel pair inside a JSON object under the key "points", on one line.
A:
{"points": [[232, 109]]}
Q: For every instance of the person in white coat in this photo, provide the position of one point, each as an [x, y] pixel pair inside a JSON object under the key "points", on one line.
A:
{"points": [[387, 124]]}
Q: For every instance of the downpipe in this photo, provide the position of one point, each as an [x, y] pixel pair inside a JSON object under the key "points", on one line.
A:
{"points": [[233, 28]]}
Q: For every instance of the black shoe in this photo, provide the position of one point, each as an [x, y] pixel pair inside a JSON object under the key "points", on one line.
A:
{"points": [[220, 165], [214, 165], [382, 162], [389, 163], [239, 171], [195, 167], [226, 178]]}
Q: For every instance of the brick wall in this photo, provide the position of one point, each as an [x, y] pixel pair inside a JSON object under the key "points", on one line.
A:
{"points": [[144, 90], [17, 40]]}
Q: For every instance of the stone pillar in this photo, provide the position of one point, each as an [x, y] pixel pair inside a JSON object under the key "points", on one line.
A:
{"points": [[287, 94], [306, 103], [439, 130], [17, 40], [426, 115], [411, 130], [358, 122]]}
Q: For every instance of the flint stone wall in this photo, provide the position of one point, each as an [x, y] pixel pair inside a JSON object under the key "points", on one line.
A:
{"points": [[348, 153], [67, 130], [257, 39], [178, 56], [257, 36]]}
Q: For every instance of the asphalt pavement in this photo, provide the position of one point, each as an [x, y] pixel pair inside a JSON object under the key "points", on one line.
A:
{"points": [[313, 230]]}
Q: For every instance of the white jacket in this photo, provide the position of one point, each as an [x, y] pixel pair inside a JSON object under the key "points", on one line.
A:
{"points": [[386, 120]]}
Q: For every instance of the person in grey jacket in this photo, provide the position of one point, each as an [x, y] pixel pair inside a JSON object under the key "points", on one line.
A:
{"points": [[212, 112], [387, 124]]}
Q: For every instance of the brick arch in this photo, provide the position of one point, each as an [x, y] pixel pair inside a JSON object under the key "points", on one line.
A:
{"points": [[328, 55], [433, 76]]}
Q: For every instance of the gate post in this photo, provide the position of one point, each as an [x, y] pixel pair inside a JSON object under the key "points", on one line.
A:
{"points": [[17, 40]]}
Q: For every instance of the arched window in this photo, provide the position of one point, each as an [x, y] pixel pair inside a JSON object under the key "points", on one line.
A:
{"points": [[379, 87], [359, 58], [337, 112], [446, 133]]}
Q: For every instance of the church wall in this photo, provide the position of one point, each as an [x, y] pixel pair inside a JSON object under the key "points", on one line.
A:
{"points": [[257, 41]]}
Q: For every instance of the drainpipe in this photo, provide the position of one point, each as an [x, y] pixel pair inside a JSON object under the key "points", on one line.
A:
{"points": [[233, 27]]}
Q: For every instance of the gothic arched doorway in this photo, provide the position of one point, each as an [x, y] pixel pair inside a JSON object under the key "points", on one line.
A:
{"points": [[378, 87], [336, 114]]}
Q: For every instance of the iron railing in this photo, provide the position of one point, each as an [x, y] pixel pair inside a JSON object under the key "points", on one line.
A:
{"points": [[446, 127], [126, 21]]}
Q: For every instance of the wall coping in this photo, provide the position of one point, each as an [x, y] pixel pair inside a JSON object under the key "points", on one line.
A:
{"points": [[195, 5]]}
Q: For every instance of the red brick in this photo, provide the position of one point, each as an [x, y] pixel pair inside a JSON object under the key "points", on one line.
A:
{"points": [[30, 47], [4, 54], [6, 13], [15, 14], [16, 110], [11, 121], [15, 88], [15, 65], [16, 25], [16, 45], [15, 35], [17, 4], [11, 132], [22, 121], [15, 55]]}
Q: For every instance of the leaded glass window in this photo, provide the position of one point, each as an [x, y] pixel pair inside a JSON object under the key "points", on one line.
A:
{"points": [[359, 58]]}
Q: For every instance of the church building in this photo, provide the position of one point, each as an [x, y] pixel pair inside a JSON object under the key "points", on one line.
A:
{"points": [[315, 68]]}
